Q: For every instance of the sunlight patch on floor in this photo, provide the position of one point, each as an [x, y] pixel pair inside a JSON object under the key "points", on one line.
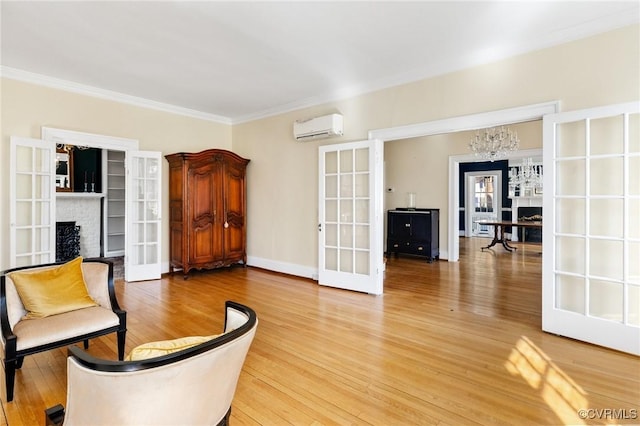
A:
{"points": [[565, 397]]}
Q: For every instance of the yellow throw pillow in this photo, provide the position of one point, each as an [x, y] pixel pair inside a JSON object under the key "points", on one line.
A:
{"points": [[165, 347], [52, 291]]}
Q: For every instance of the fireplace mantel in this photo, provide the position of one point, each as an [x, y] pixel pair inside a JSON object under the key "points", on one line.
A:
{"points": [[526, 201], [79, 195]]}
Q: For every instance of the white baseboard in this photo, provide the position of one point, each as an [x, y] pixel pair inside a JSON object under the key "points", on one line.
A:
{"points": [[288, 268], [271, 265], [284, 267]]}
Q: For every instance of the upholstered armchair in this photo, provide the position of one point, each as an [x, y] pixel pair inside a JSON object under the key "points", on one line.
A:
{"points": [[185, 381], [40, 309]]}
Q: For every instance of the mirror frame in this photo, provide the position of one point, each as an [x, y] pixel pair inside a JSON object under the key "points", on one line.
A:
{"points": [[69, 175]]}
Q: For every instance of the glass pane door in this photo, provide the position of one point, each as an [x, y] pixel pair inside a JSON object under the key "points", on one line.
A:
{"points": [[143, 214], [591, 273], [483, 208], [32, 205], [349, 250]]}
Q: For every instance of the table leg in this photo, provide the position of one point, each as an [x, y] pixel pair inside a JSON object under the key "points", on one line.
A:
{"points": [[505, 243], [498, 237], [496, 240]]}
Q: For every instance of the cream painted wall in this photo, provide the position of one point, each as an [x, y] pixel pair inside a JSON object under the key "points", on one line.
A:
{"points": [[282, 195], [27, 107]]}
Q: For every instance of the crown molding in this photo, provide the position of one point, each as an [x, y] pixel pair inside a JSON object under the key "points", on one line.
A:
{"points": [[69, 86]]}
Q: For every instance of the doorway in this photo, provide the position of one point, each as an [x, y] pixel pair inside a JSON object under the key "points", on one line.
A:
{"points": [[483, 201], [136, 197], [460, 123], [113, 154]]}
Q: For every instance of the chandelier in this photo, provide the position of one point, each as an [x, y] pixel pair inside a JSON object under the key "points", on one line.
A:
{"points": [[528, 176], [494, 144]]}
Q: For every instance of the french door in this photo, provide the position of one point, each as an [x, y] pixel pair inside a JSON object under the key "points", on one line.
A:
{"points": [[350, 216], [591, 234], [143, 195], [32, 208], [484, 201]]}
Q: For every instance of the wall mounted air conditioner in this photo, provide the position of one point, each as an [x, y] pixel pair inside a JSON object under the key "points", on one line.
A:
{"points": [[318, 127]]}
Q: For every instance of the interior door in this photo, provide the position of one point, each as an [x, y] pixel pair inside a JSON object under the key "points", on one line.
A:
{"points": [[143, 236], [32, 196], [591, 234], [350, 216], [483, 201]]}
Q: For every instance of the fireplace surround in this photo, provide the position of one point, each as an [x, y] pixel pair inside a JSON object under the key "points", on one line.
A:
{"points": [[533, 214], [67, 241]]}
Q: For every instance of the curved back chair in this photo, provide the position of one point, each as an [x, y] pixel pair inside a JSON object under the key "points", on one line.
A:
{"points": [[22, 337], [193, 386]]}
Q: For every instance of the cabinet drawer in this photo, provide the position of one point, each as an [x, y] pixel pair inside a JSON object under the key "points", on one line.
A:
{"points": [[398, 245], [421, 248], [411, 247]]}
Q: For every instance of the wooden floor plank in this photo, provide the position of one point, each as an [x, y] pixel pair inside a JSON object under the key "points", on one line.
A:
{"points": [[447, 344]]}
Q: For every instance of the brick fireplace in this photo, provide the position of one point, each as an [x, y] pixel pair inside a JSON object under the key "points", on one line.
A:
{"points": [[86, 211]]}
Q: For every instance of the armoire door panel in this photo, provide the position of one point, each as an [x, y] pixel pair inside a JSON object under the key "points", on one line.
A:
{"points": [[202, 187], [234, 191], [234, 243], [201, 240]]}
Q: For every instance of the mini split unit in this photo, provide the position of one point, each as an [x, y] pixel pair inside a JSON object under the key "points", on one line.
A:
{"points": [[318, 127]]}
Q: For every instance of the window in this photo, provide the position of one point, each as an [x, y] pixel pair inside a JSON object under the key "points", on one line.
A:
{"points": [[484, 194]]}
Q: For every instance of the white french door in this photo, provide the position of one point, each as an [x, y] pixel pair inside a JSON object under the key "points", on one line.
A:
{"points": [[350, 216], [32, 202], [591, 234], [483, 201], [143, 207]]}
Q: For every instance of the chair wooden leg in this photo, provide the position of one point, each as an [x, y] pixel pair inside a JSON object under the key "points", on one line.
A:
{"points": [[19, 361], [10, 377], [86, 344], [121, 342]]}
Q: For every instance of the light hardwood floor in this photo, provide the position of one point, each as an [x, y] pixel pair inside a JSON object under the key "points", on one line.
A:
{"points": [[447, 344]]}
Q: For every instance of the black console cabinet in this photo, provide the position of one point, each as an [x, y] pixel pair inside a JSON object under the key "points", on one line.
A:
{"points": [[414, 231]]}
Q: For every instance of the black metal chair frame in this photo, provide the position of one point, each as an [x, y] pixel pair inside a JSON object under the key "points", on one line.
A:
{"points": [[14, 358]]}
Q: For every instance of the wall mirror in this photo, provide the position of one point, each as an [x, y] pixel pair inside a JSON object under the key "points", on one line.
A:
{"points": [[64, 171]]}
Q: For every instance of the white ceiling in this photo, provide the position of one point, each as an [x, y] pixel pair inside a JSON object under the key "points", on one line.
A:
{"points": [[237, 61]]}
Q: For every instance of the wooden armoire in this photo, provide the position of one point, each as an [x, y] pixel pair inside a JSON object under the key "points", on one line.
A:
{"points": [[207, 224]]}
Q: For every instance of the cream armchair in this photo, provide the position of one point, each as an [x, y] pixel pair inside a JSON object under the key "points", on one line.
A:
{"points": [[192, 386], [22, 337]]}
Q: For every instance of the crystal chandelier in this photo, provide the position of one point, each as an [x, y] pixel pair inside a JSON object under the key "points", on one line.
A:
{"points": [[494, 144], [528, 176]]}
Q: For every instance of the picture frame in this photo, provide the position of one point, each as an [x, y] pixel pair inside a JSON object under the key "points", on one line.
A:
{"points": [[64, 171]]}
